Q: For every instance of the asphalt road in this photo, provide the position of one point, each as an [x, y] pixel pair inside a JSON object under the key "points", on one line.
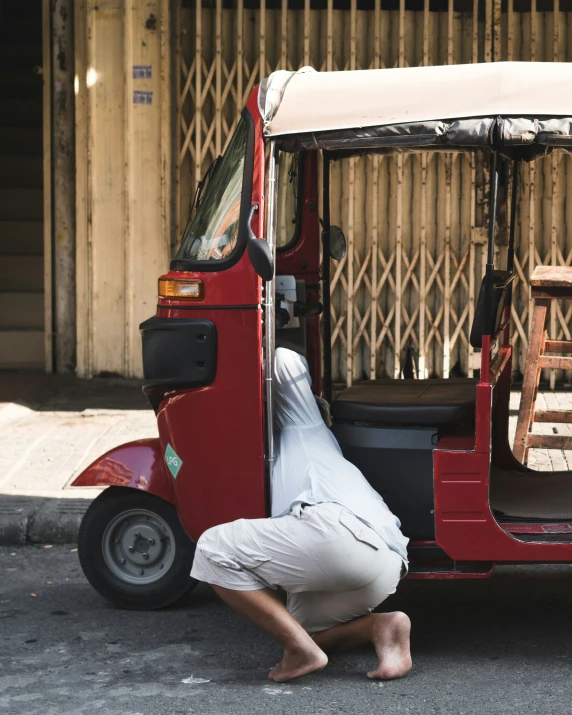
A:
{"points": [[497, 646]]}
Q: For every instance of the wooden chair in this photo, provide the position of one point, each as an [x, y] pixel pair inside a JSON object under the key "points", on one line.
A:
{"points": [[547, 283]]}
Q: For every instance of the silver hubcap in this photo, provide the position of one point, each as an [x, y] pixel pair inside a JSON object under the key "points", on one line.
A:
{"points": [[138, 546]]}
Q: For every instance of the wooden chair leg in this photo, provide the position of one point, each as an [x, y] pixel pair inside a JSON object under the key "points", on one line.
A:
{"points": [[531, 379]]}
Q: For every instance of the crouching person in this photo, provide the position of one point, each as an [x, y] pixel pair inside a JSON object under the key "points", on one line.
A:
{"points": [[332, 545]]}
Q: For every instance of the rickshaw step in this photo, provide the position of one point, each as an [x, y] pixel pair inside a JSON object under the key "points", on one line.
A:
{"points": [[454, 570], [560, 532], [427, 560]]}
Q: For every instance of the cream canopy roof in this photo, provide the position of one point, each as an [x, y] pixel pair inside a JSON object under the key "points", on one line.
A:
{"points": [[310, 101]]}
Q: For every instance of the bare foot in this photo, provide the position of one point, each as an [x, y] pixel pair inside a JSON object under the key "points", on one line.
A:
{"points": [[297, 663], [390, 636]]}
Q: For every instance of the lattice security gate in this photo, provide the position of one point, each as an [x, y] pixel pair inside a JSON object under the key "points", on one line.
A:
{"points": [[416, 225]]}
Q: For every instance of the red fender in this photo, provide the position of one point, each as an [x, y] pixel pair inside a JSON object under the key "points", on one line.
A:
{"points": [[138, 465]]}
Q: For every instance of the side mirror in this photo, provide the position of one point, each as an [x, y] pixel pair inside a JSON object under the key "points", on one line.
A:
{"points": [[338, 245], [259, 252], [261, 258]]}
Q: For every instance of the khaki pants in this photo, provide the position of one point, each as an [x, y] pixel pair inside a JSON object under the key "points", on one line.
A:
{"points": [[333, 567]]}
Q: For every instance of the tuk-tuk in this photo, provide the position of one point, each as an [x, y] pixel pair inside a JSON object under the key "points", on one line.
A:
{"points": [[437, 450]]}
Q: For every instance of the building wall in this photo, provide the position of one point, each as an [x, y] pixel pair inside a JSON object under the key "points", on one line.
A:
{"points": [[123, 189], [415, 224]]}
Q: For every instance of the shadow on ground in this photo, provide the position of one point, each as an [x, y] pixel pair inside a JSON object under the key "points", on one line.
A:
{"points": [[67, 393]]}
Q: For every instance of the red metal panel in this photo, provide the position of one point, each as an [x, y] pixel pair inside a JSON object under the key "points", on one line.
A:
{"points": [[465, 526], [217, 431], [136, 464]]}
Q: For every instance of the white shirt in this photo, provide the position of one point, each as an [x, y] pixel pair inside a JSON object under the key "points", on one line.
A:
{"points": [[308, 463]]}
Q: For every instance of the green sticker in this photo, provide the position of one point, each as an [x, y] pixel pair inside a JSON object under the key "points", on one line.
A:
{"points": [[173, 461]]}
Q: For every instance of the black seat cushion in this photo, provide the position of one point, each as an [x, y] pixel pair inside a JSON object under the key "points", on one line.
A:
{"points": [[431, 403]]}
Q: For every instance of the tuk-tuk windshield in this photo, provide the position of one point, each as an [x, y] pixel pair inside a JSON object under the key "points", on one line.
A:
{"points": [[213, 232]]}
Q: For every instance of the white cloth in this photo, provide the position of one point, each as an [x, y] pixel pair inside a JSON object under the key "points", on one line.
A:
{"points": [[309, 467], [333, 567]]}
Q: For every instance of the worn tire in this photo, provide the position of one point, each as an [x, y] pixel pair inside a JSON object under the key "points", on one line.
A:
{"points": [[101, 555]]}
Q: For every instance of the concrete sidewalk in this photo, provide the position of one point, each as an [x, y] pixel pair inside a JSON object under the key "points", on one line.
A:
{"points": [[52, 427]]}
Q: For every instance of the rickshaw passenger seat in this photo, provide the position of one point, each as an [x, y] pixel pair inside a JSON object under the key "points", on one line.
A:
{"points": [[441, 403]]}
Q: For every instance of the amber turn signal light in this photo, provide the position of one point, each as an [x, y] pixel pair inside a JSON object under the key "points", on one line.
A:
{"points": [[181, 289]]}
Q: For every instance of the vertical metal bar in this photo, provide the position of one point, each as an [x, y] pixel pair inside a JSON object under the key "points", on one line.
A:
{"points": [[306, 32], [284, 36], [401, 58], [375, 211], [262, 41], [488, 30], [531, 185], [239, 55], [513, 210], [374, 264], [399, 217], [177, 35], [351, 209], [326, 298], [167, 187], [448, 210], [422, 366], [426, 17], [398, 264], [218, 77], [472, 248], [198, 91], [493, 209], [269, 317], [511, 241], [450, 32], [447, 278], [330, 36], [475, 53], [554, 202], [497, 48], [533, 30], [491, 245], [510, 31]]}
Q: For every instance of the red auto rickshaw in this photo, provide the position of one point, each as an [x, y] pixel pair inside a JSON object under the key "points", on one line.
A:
{"points": [[437, 450]]}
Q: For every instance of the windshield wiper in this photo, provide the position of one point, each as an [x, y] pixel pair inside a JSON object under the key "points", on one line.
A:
{"points": [[199, 191]]}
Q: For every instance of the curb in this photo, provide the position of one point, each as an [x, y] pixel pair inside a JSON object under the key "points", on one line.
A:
{"points": [[37, 520]]}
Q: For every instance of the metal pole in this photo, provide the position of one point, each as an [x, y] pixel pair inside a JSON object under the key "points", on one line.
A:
{"points": [[326, 315], [513, 207], [512, 228], [491, 241], [269, 317]]}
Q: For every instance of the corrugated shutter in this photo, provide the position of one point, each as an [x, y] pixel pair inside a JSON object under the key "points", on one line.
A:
{"points": [[414, 224]]}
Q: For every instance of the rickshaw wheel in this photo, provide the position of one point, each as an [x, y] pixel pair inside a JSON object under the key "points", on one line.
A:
{"points": [[134, 551]]}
